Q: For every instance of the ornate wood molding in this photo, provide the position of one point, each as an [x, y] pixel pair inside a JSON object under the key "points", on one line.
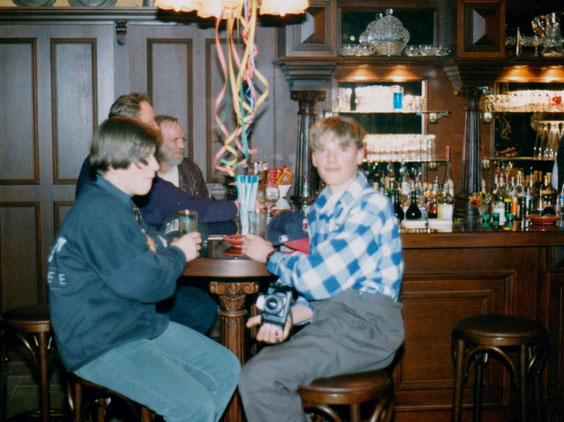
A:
{"points": [[306, 180], [307, 73]]}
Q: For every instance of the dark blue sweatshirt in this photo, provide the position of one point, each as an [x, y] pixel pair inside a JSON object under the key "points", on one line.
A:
{"points": [[103, 279]]}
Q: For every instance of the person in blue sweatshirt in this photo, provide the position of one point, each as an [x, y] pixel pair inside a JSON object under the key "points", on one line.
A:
{"points": [[106, 271], [190, 305]]}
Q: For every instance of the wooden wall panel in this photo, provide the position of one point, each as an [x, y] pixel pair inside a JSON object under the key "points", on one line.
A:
{"points": [[74, 95], [62, 208], [169, 75], [18, 142], [20, 258], [432, 304]]}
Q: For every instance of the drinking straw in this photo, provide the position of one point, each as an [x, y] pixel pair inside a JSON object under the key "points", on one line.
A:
{"points": [[246, 193]]}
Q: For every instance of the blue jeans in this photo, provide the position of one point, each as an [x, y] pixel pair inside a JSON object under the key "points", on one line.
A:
{"points": [[190, 306], [181, 375]]}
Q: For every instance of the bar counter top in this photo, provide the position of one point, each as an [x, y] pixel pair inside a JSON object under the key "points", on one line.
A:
{"points": [[475, 236]]}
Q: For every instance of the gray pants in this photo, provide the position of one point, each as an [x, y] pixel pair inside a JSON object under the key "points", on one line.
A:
{"points": [[352, 332]]}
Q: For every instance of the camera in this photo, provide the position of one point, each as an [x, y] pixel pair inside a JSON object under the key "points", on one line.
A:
{"points": [[277, 303]]}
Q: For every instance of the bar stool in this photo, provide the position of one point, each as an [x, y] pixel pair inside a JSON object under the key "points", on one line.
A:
{"points": [[99, 397], [353, 390], [479, 337], [31, 324]]}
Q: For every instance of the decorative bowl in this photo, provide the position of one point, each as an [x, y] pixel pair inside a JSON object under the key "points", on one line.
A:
{"points": [[411, 50], [543, 219]]}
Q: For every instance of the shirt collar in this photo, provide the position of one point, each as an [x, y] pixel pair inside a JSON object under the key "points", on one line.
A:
{"points": [[353, 191], [122, 196]]}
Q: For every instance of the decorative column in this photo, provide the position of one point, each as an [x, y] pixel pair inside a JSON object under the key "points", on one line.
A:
{"points": [[307, 78], [306, 181], [470, 81], [471, 168]]}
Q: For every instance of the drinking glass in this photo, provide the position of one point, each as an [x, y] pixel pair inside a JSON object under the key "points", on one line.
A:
{"points": [[257, 223], [187, 221], [271, 195]]}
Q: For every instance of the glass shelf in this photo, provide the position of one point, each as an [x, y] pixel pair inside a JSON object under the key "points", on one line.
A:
{"points": [[411, 160], [518, 158]]}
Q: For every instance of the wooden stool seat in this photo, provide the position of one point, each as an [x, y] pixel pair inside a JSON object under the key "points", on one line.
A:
{"points": [[477, 337], [353, 390], [100, 397], [31, 324]]}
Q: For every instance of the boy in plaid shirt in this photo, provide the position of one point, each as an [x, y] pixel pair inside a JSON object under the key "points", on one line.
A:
{"points": [[348, 284]]}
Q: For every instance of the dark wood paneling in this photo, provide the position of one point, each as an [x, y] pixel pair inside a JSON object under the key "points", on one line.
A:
{"points": [[20, 258], [169, 78], [432, 304], [18, 142], [481, 28], [74, 95], [61, 208]]}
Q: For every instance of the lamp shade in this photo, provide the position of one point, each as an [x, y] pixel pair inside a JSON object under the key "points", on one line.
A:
{"points": [[282, 7], [209, 8], [178, 5]]}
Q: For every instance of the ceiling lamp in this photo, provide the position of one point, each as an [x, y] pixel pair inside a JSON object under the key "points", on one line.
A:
{"points": [[240, 75], [283, 7]]}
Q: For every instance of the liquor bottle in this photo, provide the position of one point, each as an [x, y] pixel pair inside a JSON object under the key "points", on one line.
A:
{"points": [[448, 180], [547, 194], [398, 210], [413, 212], [447, 205], [390, 178]]}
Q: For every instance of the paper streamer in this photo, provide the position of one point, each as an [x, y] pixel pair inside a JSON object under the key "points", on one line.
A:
{"points": [[240, 76]]}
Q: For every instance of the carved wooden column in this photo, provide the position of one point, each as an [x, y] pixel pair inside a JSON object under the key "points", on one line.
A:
{"points": [[308, 78], [471, 168], [306, 181], [470, 81], [232, 302]]}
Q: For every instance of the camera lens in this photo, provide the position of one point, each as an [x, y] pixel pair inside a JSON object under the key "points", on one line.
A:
{"points": [[272, 304]]}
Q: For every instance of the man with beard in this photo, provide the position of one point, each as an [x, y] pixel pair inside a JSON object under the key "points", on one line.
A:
{"points": [[179, 170]]}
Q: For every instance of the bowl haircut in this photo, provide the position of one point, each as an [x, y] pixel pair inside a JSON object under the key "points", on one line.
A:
{"points": [[343, 129], [120, 141]]}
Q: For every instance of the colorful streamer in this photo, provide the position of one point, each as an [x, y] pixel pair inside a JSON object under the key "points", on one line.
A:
{"points": [[240, 76]]}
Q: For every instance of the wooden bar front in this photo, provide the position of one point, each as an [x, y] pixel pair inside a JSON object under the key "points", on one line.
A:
{"points": [[449, 276]]}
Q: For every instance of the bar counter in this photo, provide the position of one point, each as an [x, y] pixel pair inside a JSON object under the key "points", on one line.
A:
{"points": [[469, 271]]}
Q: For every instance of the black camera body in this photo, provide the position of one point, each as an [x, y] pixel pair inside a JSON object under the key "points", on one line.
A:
{"points": [[277, 303]]}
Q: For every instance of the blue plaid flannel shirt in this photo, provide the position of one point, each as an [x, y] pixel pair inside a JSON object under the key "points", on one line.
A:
{"points": [[354, 244]]}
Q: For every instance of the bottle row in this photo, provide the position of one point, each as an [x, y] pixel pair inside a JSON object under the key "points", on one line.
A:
{"points": [[413, 197]]}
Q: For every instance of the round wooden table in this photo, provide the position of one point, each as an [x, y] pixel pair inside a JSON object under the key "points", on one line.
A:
{"points": [[232, 278]]}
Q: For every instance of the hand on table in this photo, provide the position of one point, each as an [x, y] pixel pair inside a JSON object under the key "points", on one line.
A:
{"points": [[190, 244], [255, 247]]}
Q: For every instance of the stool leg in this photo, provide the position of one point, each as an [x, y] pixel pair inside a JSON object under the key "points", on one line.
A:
{"points": [[77, 402], [355, 412], [523, 381], [480, 362], [538, 355], [458, 378], [44, 377]]}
